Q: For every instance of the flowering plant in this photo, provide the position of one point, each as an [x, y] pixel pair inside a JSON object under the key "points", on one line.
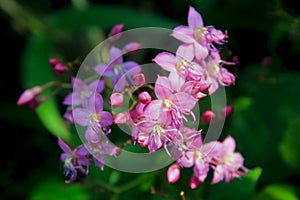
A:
{"points": [[160, 116]]}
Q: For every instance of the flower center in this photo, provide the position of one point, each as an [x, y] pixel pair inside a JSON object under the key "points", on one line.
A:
{"points": [[117, 69], [228, 159], [94, 117], [199, 33], [85, 94], [168, 103], [159, 130], [213, 69]]}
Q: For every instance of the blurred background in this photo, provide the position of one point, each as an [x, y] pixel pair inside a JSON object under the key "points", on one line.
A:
{"points": [[263, 35]]}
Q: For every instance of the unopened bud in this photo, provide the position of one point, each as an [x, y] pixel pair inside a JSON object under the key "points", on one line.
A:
{"points": [[194, 182], [29, 95], [53, 61], [144, 97], [208, 116], [121, 118], [60, 68], [116, 100], [173, 173], [139, 80], [227, 111], [116, 30]]}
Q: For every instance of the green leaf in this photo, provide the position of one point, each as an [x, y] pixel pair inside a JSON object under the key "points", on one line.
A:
{"points": [[278, 192], [36, 71], [106, 16], [289, 147], [56, 189], [238, 189]]}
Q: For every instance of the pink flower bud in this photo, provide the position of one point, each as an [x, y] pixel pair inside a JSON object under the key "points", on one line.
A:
{"points": [[139, 80], [29, 95], [121, 118], [60, 68], [117, 29], [53, 62], [132, 47], [227, 111], [208, 116], [144, 97], [194, 182], [173, 173], [116, 100]]}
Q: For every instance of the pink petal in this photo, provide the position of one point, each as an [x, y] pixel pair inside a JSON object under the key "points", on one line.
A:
{"points": [[163, 87], [81, 116], [115, 55], [229, 144], [64, 146], [194, 19], [176, 81], [184, 101], [184, 34], [106, 118], [173, 173], [166, 60], [200, 51], [187, 160], [185, 52]]}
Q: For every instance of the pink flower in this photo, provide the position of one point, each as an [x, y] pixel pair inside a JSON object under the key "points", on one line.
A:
{"points": [[174, 101], [120, 72], [201, 38], [144, 97], [173, 173], [93, 116], [82, 92], [228, 163], [182, 63], [121, 118], [74, 160]]}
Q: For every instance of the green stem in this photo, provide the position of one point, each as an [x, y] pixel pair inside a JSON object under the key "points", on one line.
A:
{"points": [[22, 17]]}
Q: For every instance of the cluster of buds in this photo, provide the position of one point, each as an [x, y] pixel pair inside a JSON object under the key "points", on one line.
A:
{"points": [[157, 119]]}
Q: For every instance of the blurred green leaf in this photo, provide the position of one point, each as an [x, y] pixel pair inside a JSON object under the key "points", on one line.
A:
{"points": [[260, 129], [56, 189], [278, 192], [36, 71], [106, 17], [238, 189], [289, 147]]}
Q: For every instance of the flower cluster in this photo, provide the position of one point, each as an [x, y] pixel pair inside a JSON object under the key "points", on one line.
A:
{"points": [[157, 119]]}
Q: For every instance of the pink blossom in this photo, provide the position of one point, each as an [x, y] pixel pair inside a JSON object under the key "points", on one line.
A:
{"points": [[74, 160], [93, 116], [120, 72], [228, 164], [201, 38], [82, 92]]}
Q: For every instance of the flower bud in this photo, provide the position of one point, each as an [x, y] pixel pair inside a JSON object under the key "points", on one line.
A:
{"points": [[116, 100], [29, 95], [139, 80], [173, 173], [144, 97], [60, 68], [194, 182], [117, 29], [208, 116], [69, 116], [121, 118], [53, 61], [227, 111]]}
